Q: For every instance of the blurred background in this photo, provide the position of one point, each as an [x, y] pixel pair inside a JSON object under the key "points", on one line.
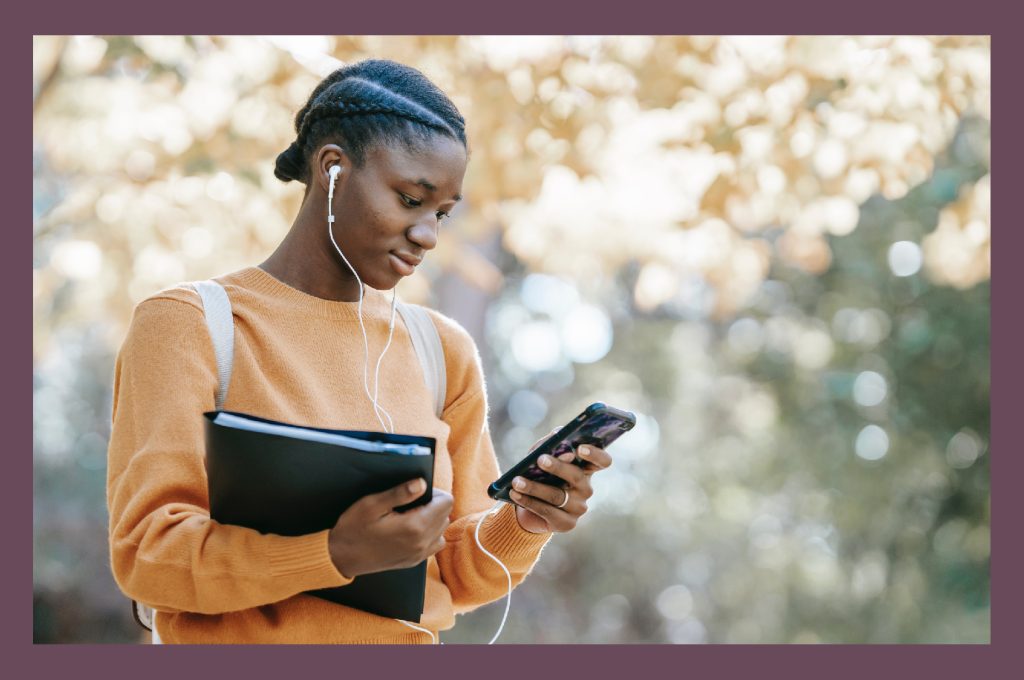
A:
{"points": [[774, 250]]}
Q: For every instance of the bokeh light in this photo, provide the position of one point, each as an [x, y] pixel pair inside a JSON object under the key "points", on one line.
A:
{"points": [[872, 443], [905, 258], [774, 250]]}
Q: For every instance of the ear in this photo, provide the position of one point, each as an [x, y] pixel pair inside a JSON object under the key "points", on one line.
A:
{"points": [[326, 157]]}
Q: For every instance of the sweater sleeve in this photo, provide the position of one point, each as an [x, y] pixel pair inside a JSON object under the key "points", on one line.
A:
{"points": [[471, 576], [165, 551]]}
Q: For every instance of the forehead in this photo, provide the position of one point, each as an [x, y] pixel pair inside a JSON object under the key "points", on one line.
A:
{"points": [[441, 161]]}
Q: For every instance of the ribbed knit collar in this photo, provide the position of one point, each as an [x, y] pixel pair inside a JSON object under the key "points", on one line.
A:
{"points": [[376, 304]]}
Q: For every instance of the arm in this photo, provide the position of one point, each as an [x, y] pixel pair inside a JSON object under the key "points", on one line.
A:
{"points": [[165, 550], [471, 576]]}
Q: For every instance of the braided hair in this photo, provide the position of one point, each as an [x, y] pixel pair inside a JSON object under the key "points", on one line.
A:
{"points": [[368, 103]]}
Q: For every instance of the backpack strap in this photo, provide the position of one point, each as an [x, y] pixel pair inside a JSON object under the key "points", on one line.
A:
{"points": [[220, 323], [217, 308], [427, 343], [425, 340]]}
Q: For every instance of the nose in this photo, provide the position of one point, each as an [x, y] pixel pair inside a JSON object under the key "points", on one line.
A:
{"points": [[424, 233]]}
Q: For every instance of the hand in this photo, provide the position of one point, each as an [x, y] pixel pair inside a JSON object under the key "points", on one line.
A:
{"points": [[370, 536], [537, 510]]}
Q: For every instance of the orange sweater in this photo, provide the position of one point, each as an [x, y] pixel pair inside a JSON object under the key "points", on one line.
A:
{"points": [[298, 359]]}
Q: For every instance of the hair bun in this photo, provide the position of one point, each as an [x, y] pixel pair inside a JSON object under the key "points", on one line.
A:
{"points": [[290, 163]]}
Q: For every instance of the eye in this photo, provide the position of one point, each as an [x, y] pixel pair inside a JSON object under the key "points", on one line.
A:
{"points": [[411, 202]]}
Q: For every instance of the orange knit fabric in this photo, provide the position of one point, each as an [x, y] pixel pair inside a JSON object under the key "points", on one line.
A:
{"points": [[297, 359]]}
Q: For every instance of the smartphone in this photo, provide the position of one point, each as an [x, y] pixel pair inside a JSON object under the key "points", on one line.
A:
{"points": [[599, 425]]}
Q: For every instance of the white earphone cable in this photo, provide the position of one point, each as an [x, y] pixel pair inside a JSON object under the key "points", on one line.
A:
{"points": [[433, 637], [376, 375], [508, 597], [380, 409], [508, 577], [377, 408]]}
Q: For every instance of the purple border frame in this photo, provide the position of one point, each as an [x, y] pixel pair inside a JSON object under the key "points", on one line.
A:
{"points": [[564, 661]]}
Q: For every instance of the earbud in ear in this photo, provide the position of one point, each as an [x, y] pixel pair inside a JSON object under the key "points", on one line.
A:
{"points": [[334, 171]]}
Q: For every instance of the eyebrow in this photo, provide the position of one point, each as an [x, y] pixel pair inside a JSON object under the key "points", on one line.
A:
{"points": [[430, 187]]}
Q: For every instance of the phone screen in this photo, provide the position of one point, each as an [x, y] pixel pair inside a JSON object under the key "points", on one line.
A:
{"points": [[601, 430], [599, 425]]}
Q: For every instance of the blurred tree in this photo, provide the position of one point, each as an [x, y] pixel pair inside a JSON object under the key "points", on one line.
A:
{"points": [[774, 249]]}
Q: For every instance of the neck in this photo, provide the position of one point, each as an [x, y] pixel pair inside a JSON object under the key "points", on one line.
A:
{"points": [[303, 262]]}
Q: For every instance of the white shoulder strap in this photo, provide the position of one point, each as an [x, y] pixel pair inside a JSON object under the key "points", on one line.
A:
{"points": [[219, 321], [217, 310], [427, 343], [425, 340]]}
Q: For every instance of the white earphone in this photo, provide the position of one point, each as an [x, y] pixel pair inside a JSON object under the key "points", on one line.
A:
{"points": [[334, 171]]}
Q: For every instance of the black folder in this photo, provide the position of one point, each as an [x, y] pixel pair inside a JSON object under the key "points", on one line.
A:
{"points": [[283, 485]]}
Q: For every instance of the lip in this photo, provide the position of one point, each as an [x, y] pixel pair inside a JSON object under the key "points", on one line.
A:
{"points": [[403, 264]]}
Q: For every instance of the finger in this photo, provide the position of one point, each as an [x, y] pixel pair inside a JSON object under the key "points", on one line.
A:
{"points": [[596, 459], [561, 469], [549, 494], [557, 520], [441, 496], [434, 512], [581, 489], [576, 461], [543, 439], [396, 496], [441, 504]]}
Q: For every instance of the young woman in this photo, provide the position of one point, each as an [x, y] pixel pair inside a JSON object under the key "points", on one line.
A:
{"points": [[388, 150]]}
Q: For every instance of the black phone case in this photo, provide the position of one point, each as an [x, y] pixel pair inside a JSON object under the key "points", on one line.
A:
{"points": [[599, 424]]}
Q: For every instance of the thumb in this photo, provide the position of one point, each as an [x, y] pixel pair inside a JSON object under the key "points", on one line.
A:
{"points": [[405, 492], [542, 439]]}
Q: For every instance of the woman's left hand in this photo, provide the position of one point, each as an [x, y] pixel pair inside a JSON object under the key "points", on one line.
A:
{"points": [[542, 507]]}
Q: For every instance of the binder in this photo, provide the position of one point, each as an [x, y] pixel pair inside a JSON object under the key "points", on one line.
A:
{"points": [[291, 480]]}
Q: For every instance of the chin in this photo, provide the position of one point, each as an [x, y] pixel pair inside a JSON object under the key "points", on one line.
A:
{"points": [[384, 284], [383, 289]]}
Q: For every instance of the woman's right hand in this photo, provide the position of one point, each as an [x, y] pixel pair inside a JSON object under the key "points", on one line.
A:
{"points": [[370, 536]]}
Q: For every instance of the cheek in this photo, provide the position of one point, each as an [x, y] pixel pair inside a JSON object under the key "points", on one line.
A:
{"points": [[374, 216], [380, 215], [371, 222], [382, 225], [367, 205]]}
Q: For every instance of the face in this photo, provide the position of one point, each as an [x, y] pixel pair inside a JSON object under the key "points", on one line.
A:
{"points": [[388, 213]]}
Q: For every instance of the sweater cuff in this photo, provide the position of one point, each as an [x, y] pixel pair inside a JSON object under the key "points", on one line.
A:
{"points": [[502, 535], [306, 556]]}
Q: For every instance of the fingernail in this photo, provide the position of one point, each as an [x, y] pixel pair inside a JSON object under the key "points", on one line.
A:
{"points": [[545, 460], [515, 495], [519, 483], [415, 486], [584, 451]]}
